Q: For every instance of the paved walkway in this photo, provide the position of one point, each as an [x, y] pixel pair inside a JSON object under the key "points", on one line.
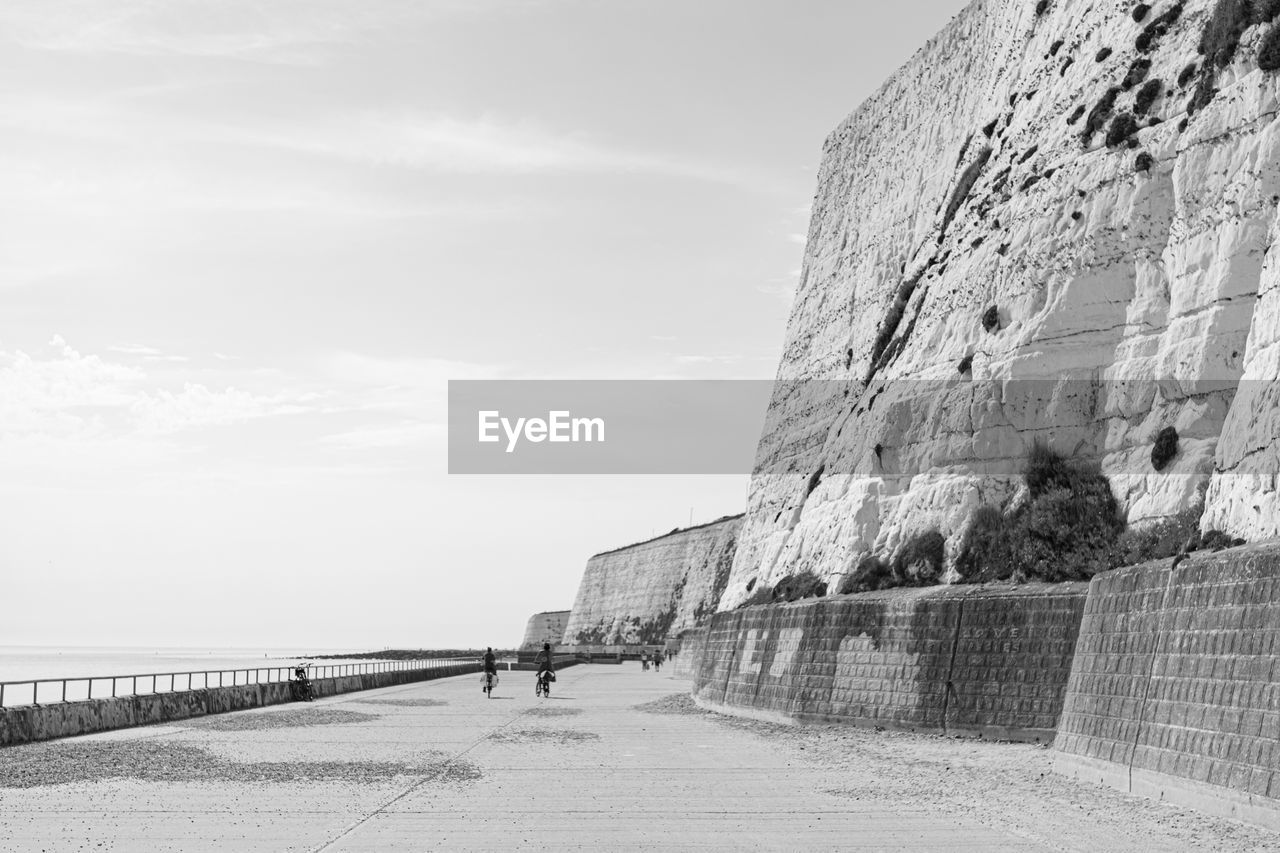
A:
{"points": [[583, 770]]}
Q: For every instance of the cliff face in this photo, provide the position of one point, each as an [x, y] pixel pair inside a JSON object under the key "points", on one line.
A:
{"points": [[647, 592], [1056, 222], [545, 627]]}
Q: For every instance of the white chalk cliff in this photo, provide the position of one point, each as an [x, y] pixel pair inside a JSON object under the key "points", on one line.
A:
{"points": [[647, 592], [1128, 278]]}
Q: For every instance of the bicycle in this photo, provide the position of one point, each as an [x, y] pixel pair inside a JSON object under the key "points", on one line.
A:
{"points": [[543, 687], [490, 682], [301, 684]]}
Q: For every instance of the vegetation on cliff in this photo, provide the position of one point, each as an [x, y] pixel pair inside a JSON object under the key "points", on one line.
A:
{"points": [[1063, 530]]}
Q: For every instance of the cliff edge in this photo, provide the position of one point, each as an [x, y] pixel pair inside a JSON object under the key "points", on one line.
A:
{"points": [[647, 592]]}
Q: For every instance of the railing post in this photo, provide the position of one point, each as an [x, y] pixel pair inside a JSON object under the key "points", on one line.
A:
{"points": [[64, 690]]}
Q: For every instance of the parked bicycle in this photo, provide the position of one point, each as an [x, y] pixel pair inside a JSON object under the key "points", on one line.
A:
{"points": [[301, 684]]}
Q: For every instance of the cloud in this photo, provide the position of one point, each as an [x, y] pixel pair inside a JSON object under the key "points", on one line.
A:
{"points": [[197, 406], [286, 32], [708, 359], [133, 349], [404, 434], [784, 290], [405, 373], [62, 393], [487, 144], [278, 33], [69, 394]]}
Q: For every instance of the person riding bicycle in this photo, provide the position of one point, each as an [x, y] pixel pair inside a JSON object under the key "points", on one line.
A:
{"points": [[490, 664], [543, 661]]}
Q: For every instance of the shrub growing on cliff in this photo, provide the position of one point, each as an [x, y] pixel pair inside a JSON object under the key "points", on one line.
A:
{"points": [[1166, 538], [1137, 72], [1063, 531], [985, 546], [1216, 540], [1143, 162], [1099, 114], [1147, 96], [1219, 42], [1152, 32], [871, 573], [798, 586], [1122, 127], [1140, 11], [920, 560], [1269, 50], [1164, 448], [991, 319], [1264, 11]]}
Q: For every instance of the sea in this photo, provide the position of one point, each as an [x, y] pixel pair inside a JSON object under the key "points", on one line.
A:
{"points": [[27, 663]]}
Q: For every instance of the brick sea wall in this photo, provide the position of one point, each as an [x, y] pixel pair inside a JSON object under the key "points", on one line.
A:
{"points": [[689, 652], [990, 661], [1175, 689]]}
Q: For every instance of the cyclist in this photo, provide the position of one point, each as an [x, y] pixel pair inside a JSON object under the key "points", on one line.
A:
{"points": [[545, 668], [490, 668]]}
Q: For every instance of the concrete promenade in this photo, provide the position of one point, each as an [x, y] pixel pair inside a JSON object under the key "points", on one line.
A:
{"points": [[597, 775], [437, 766]]}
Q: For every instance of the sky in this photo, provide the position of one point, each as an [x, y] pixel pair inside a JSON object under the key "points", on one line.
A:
{"points": [[245, 245]]}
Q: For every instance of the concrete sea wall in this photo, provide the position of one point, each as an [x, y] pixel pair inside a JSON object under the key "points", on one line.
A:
{"points": [[30, 723], [986, 661], [1175, 688]]}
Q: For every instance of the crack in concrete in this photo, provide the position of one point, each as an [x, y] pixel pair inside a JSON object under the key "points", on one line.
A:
{"points": [[419, 783]]}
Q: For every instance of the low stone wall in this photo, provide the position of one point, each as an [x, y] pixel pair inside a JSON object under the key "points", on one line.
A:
{"points": [[987, 661], [1175, 689], [30, 723]]}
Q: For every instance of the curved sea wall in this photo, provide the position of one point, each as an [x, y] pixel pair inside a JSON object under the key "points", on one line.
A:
{"points": [[1175, 689], [1056, 222], [647, 592], [689, 649], [30, 723], [545, 627], [990, 661]]}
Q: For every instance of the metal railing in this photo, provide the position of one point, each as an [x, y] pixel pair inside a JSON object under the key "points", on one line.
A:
{"points": [[47, 691]]}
